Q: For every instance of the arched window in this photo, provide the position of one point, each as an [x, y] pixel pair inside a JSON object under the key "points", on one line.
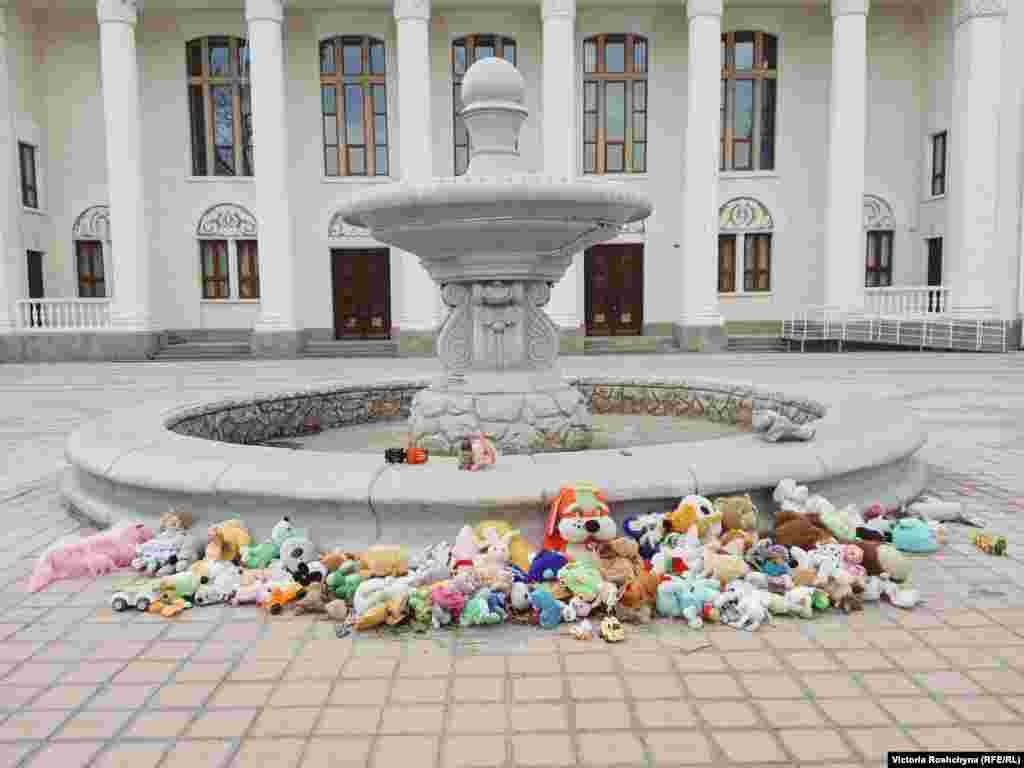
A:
{"points": [[354, 103], [227, 230], [220, 106], [465, 52], [91, 234], [879, 224], [615, 104], [744, 227], [749, 71]]}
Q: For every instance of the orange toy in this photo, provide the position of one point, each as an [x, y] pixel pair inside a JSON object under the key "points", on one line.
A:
{"points": [[281, 596], [579, 501]]}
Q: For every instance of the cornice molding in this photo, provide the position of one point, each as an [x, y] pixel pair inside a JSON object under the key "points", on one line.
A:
{"points": [[979, 9]]}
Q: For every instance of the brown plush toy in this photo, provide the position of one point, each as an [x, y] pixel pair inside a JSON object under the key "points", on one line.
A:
{"points": [[883, 558], [738, 513], [315, 601], [333, 560], [795, 529], [620, 560], [636, 605], [380, 561]]}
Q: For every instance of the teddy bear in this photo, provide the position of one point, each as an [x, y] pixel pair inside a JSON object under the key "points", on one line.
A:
{"points": [[798, 529], [737, 542], [789, 496], [619, 560], [492, 565], [578, 522], [225, 541], [380, 561], [741, 607], [694, 510], [725, 568], [636, 602], [883, 558], [826, 560], [738, 513]]}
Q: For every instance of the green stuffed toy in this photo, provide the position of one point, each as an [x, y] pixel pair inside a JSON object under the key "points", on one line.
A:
{"points": [[262, 555], [421, 607], [581, 578], [478, 612], [344, 585]]}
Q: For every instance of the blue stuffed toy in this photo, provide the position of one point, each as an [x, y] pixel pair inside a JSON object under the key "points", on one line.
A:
{"points": [[546, 564], [496, 602], [636, 527], [550, 610], [478, 611], [913, 535], [677, 593]]}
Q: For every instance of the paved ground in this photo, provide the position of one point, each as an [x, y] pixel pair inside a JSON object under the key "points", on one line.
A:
{"points": [[81, 686]]}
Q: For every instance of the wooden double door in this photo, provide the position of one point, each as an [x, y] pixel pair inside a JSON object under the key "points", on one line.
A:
{"points": [[614, 292], [361, 279]]}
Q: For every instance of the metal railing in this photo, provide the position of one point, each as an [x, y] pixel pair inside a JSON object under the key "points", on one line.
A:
{"points": [[975, 328], [62, 314]]}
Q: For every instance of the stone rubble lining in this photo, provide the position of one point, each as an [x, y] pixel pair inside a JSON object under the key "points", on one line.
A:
{"points": [[138, 462]]}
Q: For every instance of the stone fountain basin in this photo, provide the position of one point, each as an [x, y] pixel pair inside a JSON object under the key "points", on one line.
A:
{"points": [[138, 462], [518, 227]]}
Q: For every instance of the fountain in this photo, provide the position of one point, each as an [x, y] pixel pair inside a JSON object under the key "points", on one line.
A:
{"points": [[496, 240]]}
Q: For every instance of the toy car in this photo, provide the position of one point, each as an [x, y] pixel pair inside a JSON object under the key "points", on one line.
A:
{"points": [[122, 601]]}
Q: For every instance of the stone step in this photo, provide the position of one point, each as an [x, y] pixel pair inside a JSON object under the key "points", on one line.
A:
{"points": [[208, 350], [622, 345], [367, 348], [208, 335], [755, 344]]}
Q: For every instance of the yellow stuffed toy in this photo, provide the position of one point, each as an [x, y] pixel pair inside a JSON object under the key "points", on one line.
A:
{"points": [[226, 541], [694, 511], [519, 553]]}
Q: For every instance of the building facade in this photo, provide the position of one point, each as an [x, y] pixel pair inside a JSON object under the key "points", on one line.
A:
{"points": [[180, 167]]}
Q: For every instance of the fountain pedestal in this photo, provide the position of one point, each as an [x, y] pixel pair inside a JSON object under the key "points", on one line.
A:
{"points": [[495, 240], [499, 349]]}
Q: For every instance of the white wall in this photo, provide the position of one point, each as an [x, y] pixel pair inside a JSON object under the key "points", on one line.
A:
{"points": [[910, 72]]}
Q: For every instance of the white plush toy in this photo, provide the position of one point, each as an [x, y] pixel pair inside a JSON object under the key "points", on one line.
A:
{"points": [[789, 496], [826, 559]]}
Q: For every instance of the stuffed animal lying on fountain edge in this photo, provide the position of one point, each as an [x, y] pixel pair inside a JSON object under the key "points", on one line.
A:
{"points": [[579, 522]]}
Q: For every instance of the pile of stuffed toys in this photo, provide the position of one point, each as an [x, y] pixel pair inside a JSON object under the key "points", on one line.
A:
{"points": [[702, 561]]}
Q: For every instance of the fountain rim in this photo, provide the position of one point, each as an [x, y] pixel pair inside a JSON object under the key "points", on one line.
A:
{"points": [[130, 465]]}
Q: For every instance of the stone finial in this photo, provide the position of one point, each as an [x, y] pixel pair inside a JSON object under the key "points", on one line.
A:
{"points": [[695, 8], [264, 10], [493, 92], [558, 9], [850, 8], [975, 9], [412, 9], [118, 11]]}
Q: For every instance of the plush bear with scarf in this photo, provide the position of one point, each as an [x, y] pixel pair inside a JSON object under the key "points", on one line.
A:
{"points": [[579, 522]]}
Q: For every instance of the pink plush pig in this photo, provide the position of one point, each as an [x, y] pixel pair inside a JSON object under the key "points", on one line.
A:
{"points": [[89, 556]]}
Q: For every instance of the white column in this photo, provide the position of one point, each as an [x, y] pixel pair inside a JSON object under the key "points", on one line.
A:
{"points": [[558, 112], [130, 307], [844, 213], [700, 324], [977, 268], [278, 298], [10, 194], [418, 300]]}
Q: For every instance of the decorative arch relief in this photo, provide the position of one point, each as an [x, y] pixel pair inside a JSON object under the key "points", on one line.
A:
{"points": [[92, 224], [339, 230], [878, 213], [744, 214], [226, 220], [634, 227]]}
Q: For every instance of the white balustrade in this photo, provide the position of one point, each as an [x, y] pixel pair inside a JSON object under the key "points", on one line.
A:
{"points": [[63, 314], [906, 300]]}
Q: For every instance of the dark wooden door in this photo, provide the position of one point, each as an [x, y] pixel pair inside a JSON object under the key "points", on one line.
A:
{"points": [[35, 275], [362, 293], [614, 293], [935, 261]]}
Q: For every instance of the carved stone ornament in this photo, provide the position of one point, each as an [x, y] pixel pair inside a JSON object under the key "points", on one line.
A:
{"points": [[975, 9], [338, 229], [118, 11], [226, 220], [541, 332], [878, 213], [92, 224], [850, 8], [412, 9], [695, 8], [264, 10], [634, 227], [455, 340], [744, 214]]}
